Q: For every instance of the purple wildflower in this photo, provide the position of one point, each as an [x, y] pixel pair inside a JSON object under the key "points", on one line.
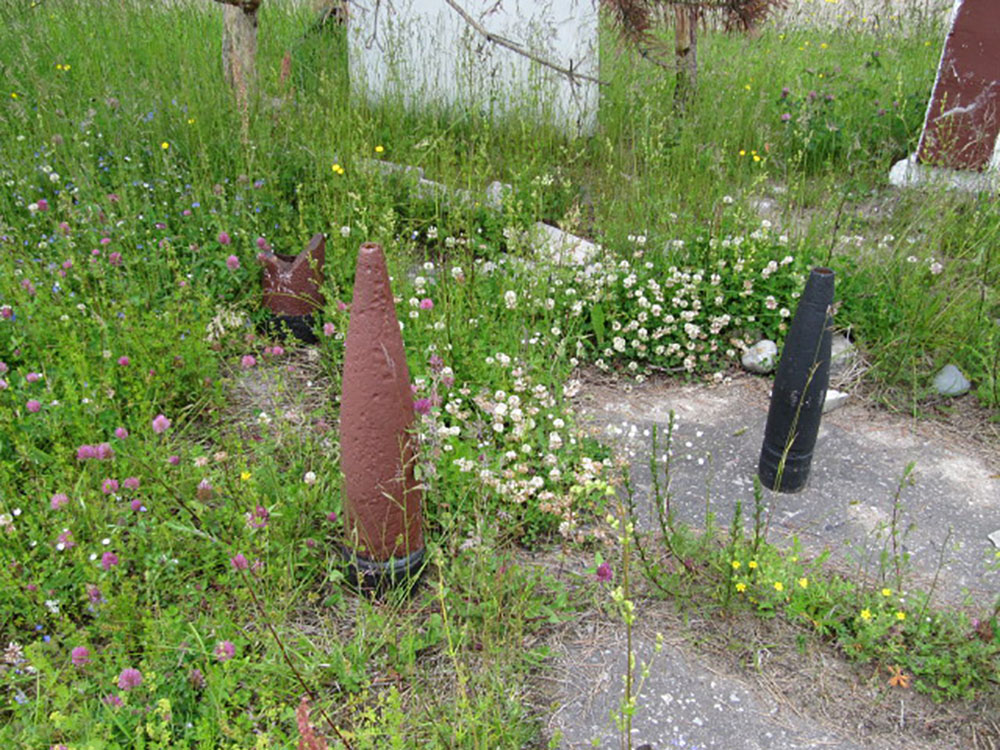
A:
{"points": [[604, 573], [129, 678], [80, 656], [225, 651]]}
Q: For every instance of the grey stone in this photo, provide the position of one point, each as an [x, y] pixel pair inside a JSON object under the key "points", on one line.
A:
{"points": [[761, 358], [951, 382], [995, 538], [842, 354], [834, 399], [495, 194], [562, 247]]}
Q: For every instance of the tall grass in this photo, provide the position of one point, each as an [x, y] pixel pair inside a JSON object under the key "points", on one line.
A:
{"points": [[134, 200]]}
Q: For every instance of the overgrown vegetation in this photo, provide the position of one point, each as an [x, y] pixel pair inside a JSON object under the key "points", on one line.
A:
{"points": [[169, 481]]}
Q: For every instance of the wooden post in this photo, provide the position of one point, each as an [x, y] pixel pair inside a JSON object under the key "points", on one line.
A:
{"points": [[685, 54], [239, 48]]}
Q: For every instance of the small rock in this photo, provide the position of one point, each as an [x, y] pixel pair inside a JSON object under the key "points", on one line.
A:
{"points": [[951, 382], [995, 538], [842, 354], [562, 247], [834, 399], [495, 194], [761, 358]]}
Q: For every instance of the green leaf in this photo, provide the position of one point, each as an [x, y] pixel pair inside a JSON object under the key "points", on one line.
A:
{"points": [[597, 322]]}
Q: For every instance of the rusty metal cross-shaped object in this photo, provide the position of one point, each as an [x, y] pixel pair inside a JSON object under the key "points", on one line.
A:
{"points": [[291, 286]]}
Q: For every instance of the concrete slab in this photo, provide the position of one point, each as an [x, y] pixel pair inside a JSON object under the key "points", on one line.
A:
{"points": [[949, 504], [683, 703], [692, 699]]}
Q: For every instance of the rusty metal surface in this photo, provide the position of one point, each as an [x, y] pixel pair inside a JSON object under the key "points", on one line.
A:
{"points": [[382, 496], [291, 282], [963, 118]]}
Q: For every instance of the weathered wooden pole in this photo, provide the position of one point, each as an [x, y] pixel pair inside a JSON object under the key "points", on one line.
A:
{"points": [[239, 44], [685, 55], [382, 498], [799, 389]]}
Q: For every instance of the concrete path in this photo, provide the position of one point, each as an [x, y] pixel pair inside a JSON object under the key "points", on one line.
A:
{"points": [[690, 700]]}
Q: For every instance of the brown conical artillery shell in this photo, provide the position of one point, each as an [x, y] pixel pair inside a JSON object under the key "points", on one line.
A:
{"points": [[382, 496], [963, 118], [291, 282]]}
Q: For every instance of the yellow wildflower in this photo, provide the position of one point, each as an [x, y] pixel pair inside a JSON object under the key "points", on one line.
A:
{"points": [[886, 592], [736, 564], [244, 475], [866, 615], [803, 582], [741, 587], [779, 586], [901, 616], [752, 565]]}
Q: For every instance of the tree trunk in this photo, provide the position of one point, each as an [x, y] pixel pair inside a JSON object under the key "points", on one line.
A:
{"points": [[239, 46], [685, 54]]}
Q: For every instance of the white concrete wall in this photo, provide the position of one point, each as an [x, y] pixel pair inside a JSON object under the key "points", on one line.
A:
{"points": [[423, 52]]}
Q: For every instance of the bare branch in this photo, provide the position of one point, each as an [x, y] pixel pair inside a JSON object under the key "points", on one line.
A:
{"points": [[247, 6], [514, 47]]}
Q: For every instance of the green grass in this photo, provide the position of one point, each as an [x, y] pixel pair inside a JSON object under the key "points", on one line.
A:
{"points": [[116, 116]]}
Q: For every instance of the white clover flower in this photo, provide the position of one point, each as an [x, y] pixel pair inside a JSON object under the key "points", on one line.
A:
{"points": [[510, 299], [310, 477]]}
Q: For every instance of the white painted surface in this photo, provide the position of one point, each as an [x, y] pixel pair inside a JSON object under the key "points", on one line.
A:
{"points": [[424, 53]]}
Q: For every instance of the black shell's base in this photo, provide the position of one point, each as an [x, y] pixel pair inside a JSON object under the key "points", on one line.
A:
{"points": [[794, 474], [298, 326], [378, 577]]}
